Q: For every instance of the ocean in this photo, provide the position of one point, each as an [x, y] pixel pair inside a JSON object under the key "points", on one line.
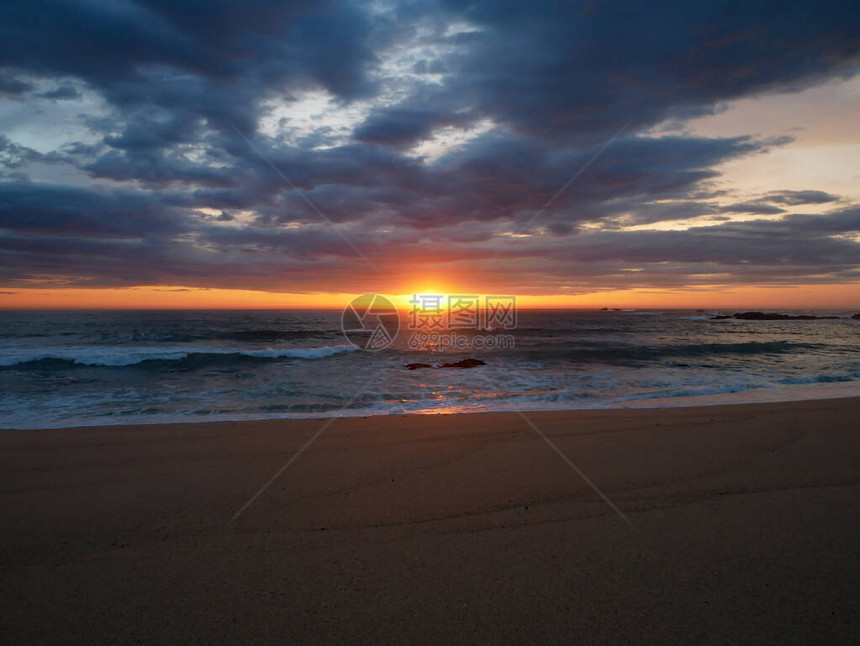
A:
{"points": [[80, 368]]}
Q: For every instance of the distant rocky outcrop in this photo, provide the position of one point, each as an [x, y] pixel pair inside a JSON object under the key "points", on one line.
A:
{"points": [[856, 317], [463, 363], [772, 316]]}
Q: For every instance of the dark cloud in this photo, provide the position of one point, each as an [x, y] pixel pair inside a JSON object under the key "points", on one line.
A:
{"points": [[405, 126], [757, 208], [11, 86], [29, 208], [766, 205], [837, 222], [214, 58], [62, 93], [13, 155], [799, 248], [795, 198], [179, 182], [581, 70]]}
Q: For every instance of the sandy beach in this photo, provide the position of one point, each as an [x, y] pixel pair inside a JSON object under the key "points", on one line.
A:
{"points": [[743, 528]]}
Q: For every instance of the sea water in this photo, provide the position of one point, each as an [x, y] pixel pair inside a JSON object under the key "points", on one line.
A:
{"points": [[131, 367]]}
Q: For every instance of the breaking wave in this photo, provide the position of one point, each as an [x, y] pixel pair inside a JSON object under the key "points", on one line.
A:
{"points": [[121, 357]]}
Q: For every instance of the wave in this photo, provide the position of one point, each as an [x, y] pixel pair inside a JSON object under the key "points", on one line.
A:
{"points": [[269, 336], [120, 357], [251, 336], [819, 379], [688, 391], [155, 336], [630, 353]]}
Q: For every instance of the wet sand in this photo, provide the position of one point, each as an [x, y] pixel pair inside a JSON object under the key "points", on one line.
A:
{"points": [[743, 528]]}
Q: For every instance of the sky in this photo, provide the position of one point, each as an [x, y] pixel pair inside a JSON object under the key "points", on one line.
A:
{"points": [[156, 153]]}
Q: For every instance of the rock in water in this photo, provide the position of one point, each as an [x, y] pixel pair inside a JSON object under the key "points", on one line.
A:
{"points": [[465, 363], [771, 316]]}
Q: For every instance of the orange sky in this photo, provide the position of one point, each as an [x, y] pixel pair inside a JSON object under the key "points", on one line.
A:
{"points": [[170, 297]]}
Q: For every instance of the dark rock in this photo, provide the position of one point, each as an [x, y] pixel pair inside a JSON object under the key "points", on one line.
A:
{"points": [[465, 363], [762, 316], [771, 316], [856, 317]]}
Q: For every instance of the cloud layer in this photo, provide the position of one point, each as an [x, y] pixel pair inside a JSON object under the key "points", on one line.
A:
{"points": [[259, 145]]}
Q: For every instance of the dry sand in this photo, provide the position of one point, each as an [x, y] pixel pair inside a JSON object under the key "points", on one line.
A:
{"points": [[439, 529]]}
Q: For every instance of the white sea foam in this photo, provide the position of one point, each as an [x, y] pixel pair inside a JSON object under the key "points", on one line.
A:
{"points": [[119, 356], [818, 379], [693, 391]]}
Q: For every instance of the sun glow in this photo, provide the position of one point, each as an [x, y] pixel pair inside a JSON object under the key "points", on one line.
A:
{"points": [[183, 297]]}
